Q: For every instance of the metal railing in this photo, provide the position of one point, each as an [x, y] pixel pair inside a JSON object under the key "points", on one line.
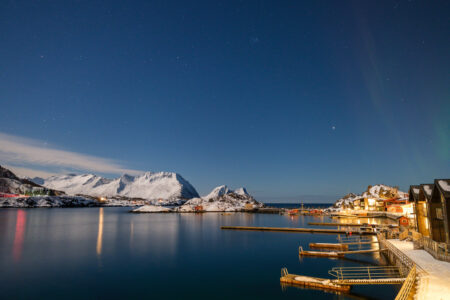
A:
{"points": [[439, 251], [353, 239], [284, 272], [407, 287], [406, 261], [365, 273]]}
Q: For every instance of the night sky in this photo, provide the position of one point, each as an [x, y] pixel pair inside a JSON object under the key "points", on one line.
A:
{"points": [[287, 98]]}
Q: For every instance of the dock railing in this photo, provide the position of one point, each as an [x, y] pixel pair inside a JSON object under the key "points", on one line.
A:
{"points": [[405, 260], [439, 251], [365, 273], [408, 286]]}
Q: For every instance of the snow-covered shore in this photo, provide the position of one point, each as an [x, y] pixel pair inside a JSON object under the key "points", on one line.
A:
{"points": [[47, 201], [221, 199]]}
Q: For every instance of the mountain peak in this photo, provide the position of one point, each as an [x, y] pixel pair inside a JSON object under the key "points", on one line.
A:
{"points": [[149, 185]]}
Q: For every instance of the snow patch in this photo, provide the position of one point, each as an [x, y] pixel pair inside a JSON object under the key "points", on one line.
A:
{"points": [[444, 185], [152, 209]]}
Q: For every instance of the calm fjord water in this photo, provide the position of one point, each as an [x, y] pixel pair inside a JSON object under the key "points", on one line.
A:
{"points": [[108, 253]]}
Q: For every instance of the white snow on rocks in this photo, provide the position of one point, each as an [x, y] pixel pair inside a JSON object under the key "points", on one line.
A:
{"points": [[220, 199], [376, 192], [47, 201], [152, 209]]}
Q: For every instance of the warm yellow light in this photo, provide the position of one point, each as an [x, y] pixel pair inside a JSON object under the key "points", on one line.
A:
{"points": [[100, 231]]}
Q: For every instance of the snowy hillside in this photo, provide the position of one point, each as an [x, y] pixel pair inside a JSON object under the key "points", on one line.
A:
{"points": [[48, 201], [378, 191], [11, 184], [222, 198], [150, 186]]}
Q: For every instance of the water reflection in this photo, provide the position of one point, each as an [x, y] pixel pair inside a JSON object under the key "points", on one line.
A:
{"points": [[100, 231], [131, 234], [67, 246], [21, 220]]}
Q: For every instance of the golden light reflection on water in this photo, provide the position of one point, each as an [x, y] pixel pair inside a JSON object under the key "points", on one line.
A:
{"points": [[100, 231], [131, 234]]}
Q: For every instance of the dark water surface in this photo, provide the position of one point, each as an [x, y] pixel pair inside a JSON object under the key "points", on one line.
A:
{"points": [[108, 253]]}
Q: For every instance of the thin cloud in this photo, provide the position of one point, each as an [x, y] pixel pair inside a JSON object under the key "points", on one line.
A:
{"points": [[27, 172], [16, 150]]}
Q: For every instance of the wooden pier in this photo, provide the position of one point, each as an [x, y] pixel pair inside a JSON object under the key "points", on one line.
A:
{"points": [[360, 243], [340, 224], [302, 252], [312, 282], [328, 246], [296, 230], [367, 275], [338, 246], [346, 277]]}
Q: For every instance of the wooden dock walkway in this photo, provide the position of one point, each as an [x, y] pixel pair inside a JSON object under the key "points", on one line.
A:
{"points": [[328, 246], [369, 281], [346, 277], [302, 252], [312, 282], [296, 230], [367, 275], [340, 224]]}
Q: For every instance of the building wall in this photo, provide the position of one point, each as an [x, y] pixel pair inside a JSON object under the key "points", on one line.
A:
{"points": [[437, 222], [422, 218], [446, 211]]}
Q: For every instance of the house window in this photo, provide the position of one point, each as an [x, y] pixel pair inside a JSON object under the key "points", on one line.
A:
{"points": [[439, 214]]}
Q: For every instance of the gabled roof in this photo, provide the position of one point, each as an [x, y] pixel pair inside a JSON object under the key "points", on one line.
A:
{"points": [[414, 193], [426, 191], [443, 185]]}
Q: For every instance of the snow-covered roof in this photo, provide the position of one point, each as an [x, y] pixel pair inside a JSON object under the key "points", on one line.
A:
{"points": [[428, 189], [444, 184]]}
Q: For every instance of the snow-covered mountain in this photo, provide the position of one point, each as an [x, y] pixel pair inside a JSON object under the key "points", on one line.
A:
{"points": [[150, 186], [222, 198], [11, 184], [223, 190], [378, 191]]}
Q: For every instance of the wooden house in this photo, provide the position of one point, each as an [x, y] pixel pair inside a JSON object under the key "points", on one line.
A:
{"points": [[420, 210], [424, 209], [440, 210], [357, 204]]}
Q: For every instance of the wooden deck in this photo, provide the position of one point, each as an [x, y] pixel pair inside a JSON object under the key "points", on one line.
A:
{"points": [[367, 275], [369, 281], [295, 230], [302, 252], [328, 246], [340, 224], [312, 282]]}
